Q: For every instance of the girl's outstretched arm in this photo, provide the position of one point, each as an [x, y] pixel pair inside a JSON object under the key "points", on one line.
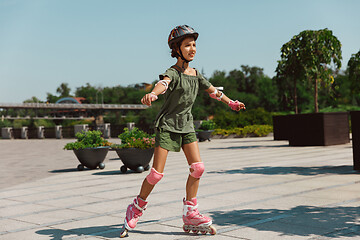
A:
{"points": [[220, 96], [160, 88]]}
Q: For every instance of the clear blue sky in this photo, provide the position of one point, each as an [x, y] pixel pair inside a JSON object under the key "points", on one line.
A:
{"points": [[106, 43]]}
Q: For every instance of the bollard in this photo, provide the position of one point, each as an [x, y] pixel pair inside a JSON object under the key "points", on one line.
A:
{"points": [[7, 133], [40, 132], [58, 132], [105, 129], [130, 125], [24, 133], [81, 128]]}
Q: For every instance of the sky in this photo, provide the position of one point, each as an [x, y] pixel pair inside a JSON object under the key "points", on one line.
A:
{"points": [[106, 43]]}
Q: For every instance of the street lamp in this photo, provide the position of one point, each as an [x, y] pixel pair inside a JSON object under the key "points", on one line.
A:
{"points": [[102, 96]]}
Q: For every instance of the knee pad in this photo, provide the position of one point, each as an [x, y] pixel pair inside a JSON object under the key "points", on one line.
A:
{"points": [[198, 169], [154, 176]]}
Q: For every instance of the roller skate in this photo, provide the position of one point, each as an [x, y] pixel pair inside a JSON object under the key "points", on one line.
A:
{"points": [[133, 213], [194, 221]]}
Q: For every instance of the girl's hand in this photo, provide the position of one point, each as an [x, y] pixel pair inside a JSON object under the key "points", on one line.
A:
{"points": [[148, 98], [236, 105]]}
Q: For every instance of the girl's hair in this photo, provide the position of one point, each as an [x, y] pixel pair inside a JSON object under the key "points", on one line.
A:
{"points": [[175, 47]]}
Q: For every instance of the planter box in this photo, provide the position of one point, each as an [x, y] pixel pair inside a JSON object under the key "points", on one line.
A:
{"points": [[355, 127], [91, 157], [204, 135], [319, 129], [282, 126], [136, 159]]}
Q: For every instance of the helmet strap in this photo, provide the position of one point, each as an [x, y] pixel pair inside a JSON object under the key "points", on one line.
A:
{"points": [[182, 56]]}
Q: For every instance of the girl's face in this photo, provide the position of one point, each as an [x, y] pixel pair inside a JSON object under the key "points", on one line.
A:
{"points": [[188, 48]]}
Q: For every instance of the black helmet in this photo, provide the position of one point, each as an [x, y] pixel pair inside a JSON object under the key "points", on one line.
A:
{"points": [[179, 32]]}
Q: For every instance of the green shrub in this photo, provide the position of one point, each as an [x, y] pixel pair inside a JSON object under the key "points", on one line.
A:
{"points": [[207, 125], [229, 120], [44, 122], [18, 123], [135, 138], [5, 123], [90, 139], [252, 130]]}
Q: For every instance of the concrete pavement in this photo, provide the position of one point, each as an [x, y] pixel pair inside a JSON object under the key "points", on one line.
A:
{"points": [[253, 188]]}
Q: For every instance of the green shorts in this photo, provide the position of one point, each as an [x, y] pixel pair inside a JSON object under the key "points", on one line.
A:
{"points": [[173, 141]]}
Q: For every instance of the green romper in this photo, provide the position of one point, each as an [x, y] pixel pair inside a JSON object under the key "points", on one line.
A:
{"points": [[174, 123]]}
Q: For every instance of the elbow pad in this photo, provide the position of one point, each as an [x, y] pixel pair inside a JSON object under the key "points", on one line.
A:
{"points": [[214, 96], [165, 83]]}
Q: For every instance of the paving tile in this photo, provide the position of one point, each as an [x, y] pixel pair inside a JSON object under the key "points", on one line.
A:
{"points": [[23, 209], [53, 216], [7, 225], [91, 225]]}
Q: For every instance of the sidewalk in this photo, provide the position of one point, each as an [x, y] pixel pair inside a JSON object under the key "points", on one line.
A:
{"points": [[253, 188]]}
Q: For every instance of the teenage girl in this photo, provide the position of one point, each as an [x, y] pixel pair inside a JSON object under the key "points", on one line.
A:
{"points": [[175, 130]]}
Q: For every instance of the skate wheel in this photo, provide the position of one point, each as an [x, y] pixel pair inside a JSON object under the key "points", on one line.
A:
{"points": [[212, 230], [203, 232], [124, 233], [186, 229], [195, 231]]}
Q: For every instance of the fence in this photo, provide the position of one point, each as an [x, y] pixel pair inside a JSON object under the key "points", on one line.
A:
{"points": [[59, 131]]}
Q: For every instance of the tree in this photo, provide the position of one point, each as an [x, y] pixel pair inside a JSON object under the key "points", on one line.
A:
{"points": [[354, 73], [88, 92], [33, 100], [63, 90], [309, 55]]}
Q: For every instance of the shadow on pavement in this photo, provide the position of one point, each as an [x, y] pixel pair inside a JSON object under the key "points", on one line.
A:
{"points": [[106, 173], [250, 147], [116, 172], [67, 170], [305, 171], [112, 231], [300, 220], [58, 234]]}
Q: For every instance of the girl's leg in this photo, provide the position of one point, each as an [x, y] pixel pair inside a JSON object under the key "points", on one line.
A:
{"points": [[193, 220], [160, 155], [135, 210], [192, 154]]}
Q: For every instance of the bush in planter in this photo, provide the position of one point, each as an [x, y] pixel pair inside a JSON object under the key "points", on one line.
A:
{"points": [[90, 149], [205, 130], [135, 138], [136, 149], [90, 139], [207, 125]]}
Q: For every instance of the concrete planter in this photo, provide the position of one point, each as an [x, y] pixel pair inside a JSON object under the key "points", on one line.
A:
{"points": [[91, 157], [282, 126], [355, 127], [204, 135], [319, 129], [135, 159]]}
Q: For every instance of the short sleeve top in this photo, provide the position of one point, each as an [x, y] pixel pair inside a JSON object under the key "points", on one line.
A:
{"points": [[175, 115]]}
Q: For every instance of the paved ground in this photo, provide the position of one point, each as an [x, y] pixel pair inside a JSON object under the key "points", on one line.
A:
{"points": [[253, 188]]}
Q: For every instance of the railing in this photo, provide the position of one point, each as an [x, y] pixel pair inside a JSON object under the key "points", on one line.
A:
{"points": [[72, 106]]}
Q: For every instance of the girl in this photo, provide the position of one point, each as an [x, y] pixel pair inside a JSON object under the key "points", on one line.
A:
{"points": [[175, 130]]}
